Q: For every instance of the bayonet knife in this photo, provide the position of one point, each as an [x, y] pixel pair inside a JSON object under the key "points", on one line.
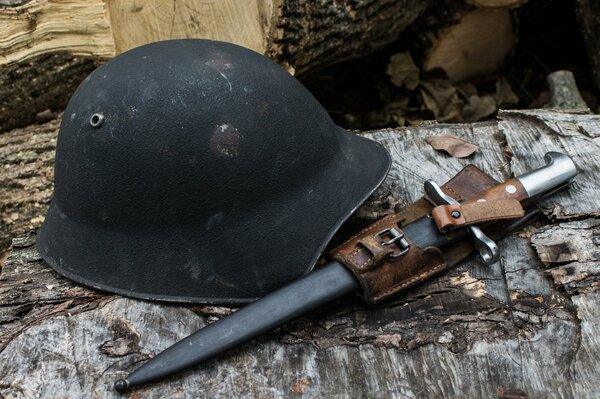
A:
{"points": [[336, 280]]}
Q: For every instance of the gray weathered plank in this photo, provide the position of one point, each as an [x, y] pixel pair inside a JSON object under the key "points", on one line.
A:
{"points": [[532, 133], [571, 249], [512, 328]]}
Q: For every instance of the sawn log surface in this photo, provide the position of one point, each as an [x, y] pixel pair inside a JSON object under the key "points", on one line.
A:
{"points": [[523, 327]]}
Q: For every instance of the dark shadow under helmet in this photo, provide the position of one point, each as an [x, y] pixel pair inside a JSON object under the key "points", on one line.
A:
{"points": [[199, 171]]}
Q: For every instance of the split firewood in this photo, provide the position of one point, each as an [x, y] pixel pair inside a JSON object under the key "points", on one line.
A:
{"points": [[299, 33], [48, 47]]}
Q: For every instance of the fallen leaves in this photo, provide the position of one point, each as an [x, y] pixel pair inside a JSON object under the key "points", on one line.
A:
{"points": [[403, 71], [441, 98], [455, 146], [412, 97]]}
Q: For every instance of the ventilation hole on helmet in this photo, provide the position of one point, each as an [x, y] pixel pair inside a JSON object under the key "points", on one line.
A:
{"points": [[96, 120]]}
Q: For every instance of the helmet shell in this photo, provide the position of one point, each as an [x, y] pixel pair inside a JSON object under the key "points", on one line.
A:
{"points": [[199, 171]]}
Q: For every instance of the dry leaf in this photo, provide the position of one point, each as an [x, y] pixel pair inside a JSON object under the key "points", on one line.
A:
{"points": [[403, 71], [468, 89], [455, 146], [442, 99], [478, 108], [398, 110], [504, 94]]}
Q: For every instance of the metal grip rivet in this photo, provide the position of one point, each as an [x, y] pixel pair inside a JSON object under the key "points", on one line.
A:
{"points": [[511, 189], [455, 214]]}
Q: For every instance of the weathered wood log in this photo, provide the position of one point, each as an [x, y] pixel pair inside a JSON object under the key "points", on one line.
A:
{"points": [[517, 328], [26, 162], [302, 32], [570, 250], [41, 83], [302, 35], [564, 92]]}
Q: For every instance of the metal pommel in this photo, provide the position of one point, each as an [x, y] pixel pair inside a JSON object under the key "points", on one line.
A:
{"points": [[121, 385], [557, 173]]}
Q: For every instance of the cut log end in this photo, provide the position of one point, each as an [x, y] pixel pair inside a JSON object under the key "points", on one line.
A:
{"points": [[477, 45]]}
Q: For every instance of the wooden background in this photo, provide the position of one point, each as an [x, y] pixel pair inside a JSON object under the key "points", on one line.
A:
{"points": [[523, 327]]}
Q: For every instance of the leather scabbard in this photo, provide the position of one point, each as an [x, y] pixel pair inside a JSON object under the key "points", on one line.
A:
{"points": [[386, 262]]}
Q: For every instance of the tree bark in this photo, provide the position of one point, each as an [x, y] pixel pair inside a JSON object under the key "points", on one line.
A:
{"points": [[302, 35], [26, 162], [523, 327], [44, 82]]}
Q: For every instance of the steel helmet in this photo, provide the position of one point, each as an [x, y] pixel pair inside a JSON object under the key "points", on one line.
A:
{"points": [[199, 171]]}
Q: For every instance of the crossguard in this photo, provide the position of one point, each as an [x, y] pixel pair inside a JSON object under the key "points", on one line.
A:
{"points": [[487, 248]]}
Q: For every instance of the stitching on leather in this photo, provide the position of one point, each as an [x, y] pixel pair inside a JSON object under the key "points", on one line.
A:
{"points": [[353, 253], [455, 194], [408, 282]]}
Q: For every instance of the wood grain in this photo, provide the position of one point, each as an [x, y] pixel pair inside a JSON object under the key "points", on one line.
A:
{"points": [[300, 33], [137, 22], [41, 26], [525, 325], [529, 134], [570, 251], [27, 165], [48, 47]]}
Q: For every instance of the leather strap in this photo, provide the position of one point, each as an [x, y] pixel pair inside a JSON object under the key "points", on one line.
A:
{"points": [[448, 217], [385, 261], [373, 254]]}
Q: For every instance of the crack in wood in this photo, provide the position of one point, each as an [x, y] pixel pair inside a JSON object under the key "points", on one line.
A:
{"points": [[464, 333]]}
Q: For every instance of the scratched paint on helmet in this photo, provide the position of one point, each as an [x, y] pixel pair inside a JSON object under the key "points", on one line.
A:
{"points": [[225, 141]]}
